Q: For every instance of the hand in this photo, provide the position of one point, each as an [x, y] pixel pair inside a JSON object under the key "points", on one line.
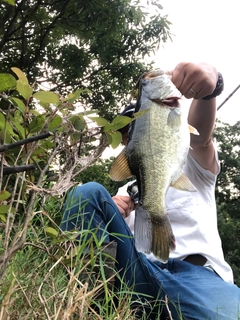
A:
{"points": [[195, 80], [124, 204]]}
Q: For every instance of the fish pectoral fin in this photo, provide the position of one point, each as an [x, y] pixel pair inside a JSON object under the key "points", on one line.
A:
{"points": [[120, 169], [183, 183], [174, 118], [193, 130]]}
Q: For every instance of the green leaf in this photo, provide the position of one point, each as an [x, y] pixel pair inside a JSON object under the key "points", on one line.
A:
{"points": [[109, 138], [20, 74], [18, 104], [75, 137], [46, 97], [9, 129], [4, 208], [118, 123], [46, 145], [73, 96], [35, 112], [100, 121], [55, 123], [116, 139], [36, 124], [51, 232], [140, 113], [4, 195], [78, 122], [122, 121], [16, 120], [24, 89], [7, 82], [3, 218], [11, 2]]}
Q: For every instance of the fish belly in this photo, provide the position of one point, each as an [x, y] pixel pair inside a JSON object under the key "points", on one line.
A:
{"points": [[156, 154]]}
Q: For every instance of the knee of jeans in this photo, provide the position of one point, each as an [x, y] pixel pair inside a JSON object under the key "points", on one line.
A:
{"points": [[79, 197], [89, 188]]}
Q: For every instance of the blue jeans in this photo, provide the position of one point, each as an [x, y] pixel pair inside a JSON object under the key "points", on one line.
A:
{"points": [[196, 291]]}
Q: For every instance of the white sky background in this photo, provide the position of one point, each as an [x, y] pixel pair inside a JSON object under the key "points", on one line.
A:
{"points": [[204, 31]]}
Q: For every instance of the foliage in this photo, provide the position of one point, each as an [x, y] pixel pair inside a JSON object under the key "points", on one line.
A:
{"points": [[65, 275], [51, 141], [228, 192], [47, 281], [98, 45], [88, 54]]}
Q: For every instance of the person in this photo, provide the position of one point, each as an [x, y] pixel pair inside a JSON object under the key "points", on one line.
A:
{"points": [[196, 280]]}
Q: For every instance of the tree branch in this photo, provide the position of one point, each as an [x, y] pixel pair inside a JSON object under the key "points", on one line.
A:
{"points": [[16, 169], [24, 141]]}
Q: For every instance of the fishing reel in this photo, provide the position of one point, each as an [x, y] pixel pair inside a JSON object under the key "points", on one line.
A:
{"points": [[133, 192]]}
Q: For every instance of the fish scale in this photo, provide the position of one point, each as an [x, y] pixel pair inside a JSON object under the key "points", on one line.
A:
{"points": [[157, 148]]}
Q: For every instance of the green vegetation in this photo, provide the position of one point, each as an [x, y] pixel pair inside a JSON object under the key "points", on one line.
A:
{"points": [[228, 193], [66, 68], [100, 46], [65, 275], [89, 55]]}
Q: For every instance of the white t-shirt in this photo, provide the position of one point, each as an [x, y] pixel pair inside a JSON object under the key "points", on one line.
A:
{"points": [[193, 218]]}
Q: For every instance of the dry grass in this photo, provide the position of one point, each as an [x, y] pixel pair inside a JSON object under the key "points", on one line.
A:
{"points": [[37, 287], [61, 278]]}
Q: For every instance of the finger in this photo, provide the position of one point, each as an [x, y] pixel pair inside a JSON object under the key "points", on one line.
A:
{"points": [[199, 94], [177, 77], [186, 77], [193, 93]]}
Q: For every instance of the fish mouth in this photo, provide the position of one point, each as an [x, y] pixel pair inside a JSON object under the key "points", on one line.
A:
{"points": [[172, 102]]}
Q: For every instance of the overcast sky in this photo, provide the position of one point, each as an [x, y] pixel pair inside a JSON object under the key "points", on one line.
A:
{"points": [[206, 31]]}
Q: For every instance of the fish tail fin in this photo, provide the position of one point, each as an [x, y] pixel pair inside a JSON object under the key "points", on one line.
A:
{"points": [[153, 233], [143, 230], [163, 240]]}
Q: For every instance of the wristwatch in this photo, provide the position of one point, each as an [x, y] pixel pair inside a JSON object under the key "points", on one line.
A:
{"points": [[218, 90]]}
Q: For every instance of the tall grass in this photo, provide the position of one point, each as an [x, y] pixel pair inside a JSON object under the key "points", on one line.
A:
{"points": [[46, 283], [65, 275]]}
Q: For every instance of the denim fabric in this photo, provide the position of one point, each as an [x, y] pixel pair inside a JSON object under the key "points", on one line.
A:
{"points": [[197, 291]]}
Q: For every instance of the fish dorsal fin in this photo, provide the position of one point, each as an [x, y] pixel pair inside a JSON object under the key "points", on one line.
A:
{"points": [[120, 169], [193, 130], [183, 183]]}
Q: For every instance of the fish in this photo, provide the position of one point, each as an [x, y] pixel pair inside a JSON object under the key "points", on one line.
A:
{"points": [[157, 148]]}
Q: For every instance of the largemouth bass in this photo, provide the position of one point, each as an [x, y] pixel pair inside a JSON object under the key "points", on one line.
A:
{"points": [[156, 151]]}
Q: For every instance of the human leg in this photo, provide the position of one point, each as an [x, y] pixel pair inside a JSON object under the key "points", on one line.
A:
{"points": [[196, 292], [90, 207]]}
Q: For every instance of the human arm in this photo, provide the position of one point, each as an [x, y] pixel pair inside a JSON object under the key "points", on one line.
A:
{"points": [[201, 79], [124, 204]]}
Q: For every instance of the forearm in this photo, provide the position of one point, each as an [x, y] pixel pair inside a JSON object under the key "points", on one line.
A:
{"points": [[202, 115]]}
